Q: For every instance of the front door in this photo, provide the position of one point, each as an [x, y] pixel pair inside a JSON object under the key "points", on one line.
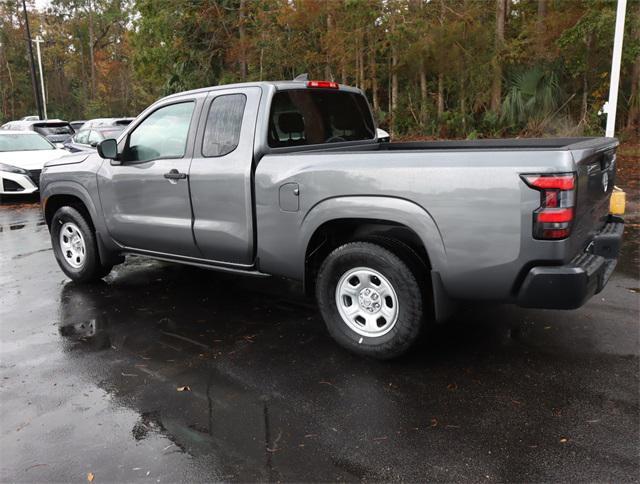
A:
{"points": [[145, 194]]}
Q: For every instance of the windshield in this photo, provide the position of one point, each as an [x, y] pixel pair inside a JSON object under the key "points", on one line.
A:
{"points": [[23, 142], [308, 117], [49, 129]]}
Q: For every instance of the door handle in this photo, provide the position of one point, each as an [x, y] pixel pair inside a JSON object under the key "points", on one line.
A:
{"points": [[175, 175]]}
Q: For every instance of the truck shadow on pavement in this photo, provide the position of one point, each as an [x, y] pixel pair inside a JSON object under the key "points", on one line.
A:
{"points": [[240, 373]]}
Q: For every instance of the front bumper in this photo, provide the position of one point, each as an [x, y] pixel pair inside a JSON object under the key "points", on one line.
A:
{"points": [[17, 183], [571, 285]]}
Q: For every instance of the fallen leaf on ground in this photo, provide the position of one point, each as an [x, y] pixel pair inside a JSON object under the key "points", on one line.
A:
{"points": [[452, 386], [90, 477], [563, 440], [185, 388]]}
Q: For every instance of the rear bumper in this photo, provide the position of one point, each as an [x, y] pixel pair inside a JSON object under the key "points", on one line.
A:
{"points": [[571, 285]]}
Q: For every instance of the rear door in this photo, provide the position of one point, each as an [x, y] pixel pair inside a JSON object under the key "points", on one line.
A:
{"points": [[145, 195], [221, 176]]}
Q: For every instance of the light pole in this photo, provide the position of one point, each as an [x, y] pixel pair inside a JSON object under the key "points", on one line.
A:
{"points": [[32, 70], [38, 40], [612, 105]]}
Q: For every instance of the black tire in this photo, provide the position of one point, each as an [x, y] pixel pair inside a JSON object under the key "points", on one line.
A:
{"points": [[408, 288], [91, 268]]}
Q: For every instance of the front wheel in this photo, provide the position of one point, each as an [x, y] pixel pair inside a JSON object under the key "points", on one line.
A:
{"points": [[74, 245], [371, 301]]}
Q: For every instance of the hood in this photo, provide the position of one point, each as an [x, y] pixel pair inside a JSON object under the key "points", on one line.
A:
{"points": [[30, 160], [70, 158]]}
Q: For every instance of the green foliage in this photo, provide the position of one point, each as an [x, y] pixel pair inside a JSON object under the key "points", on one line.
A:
{"points": [[532, 93], [441, 55]]}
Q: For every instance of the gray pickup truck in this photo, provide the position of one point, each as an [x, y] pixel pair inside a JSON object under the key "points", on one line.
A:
{"points": [[289, 179]]}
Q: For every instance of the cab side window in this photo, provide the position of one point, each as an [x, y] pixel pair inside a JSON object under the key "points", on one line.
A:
{"points": [[163, 134], [222, 131]]}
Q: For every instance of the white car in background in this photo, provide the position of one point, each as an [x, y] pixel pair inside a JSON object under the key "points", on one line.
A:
{"points": [[22, 156]]}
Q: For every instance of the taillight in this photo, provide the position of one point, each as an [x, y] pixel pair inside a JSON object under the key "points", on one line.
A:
{"points": [[323, 84], [553, 219]]}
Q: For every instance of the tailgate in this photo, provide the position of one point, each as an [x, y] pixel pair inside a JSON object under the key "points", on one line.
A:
{"points": [[596, 169]]}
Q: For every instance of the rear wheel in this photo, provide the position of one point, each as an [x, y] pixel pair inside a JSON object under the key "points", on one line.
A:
{"points": [[74, 245], [371, 301]]}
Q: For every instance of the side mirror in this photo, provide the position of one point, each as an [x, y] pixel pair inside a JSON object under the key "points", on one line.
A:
{"points": [[108, 149], [383, 136]]}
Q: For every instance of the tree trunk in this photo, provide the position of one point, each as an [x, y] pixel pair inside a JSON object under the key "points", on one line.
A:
{"points": [[91, 54], [394, 87], [585, 77], [11, 96], [441, 74], [373, 76], [541, 27], [496, 87], [242, 37], [363, 80], [327, 60], [634, 99], [463, 105], [356, 59], [633, 119], [423, 94], [389, 88], [440, 94], [261, 60]]}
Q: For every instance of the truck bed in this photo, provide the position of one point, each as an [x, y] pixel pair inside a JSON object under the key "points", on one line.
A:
{"points": [[513, 144], [510, 144]]}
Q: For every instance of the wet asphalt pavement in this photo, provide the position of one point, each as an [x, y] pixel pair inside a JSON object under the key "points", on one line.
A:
{"points": [[89, 379]]}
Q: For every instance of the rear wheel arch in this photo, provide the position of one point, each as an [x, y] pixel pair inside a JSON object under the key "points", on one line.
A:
{"points": [[398, 238]]}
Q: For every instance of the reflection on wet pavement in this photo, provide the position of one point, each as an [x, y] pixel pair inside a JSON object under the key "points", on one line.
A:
{"points": [[90, 380]]}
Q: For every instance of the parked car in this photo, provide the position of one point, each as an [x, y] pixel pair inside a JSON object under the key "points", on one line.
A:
{"points": [[55, 130], [289, 179], [88, 139], [77, 125], [22, 156], [107, 123], [30, 118]]}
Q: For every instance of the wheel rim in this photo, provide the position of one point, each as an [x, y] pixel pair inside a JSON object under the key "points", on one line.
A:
{"points": [[72, 245], [367, 302]]}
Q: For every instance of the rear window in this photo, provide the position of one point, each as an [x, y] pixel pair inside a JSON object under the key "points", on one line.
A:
{"points": [[51, 129], [224, 121], [309, 117]]}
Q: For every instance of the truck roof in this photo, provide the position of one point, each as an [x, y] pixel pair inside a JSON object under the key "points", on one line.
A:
{"points": [[279, 85]]}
